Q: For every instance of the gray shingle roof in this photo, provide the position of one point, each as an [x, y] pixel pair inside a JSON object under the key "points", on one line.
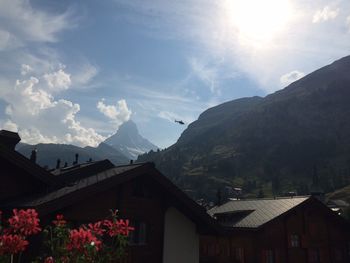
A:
{"points": [[254, 213]]}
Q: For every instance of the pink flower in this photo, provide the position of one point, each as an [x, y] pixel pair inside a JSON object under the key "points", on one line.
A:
{"points": [[80, 239], [96, 228], [12, 244], [118, 227], [25, 222], [124, 227], [59, 221], [49, 260]]}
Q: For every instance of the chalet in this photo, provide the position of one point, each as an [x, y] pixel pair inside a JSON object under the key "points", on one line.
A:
{"points": [[168, 223], [170, 227], [293, 229]]}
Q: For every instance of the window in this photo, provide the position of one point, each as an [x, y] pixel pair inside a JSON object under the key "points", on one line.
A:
{"points": [[314, 255], [237, 254], [139, 235], [268, 256], [294, 240]]}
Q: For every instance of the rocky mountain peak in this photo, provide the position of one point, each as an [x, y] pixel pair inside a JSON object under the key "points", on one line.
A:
{"points": [[129, 141]]}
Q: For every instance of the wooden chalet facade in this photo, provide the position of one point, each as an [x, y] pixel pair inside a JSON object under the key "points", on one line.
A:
{"points": [[285, 230], [170, 227], [167, 222]]}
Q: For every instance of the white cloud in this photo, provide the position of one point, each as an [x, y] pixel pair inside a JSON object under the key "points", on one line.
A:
{"points": [[25, 69], [39, 117], [290, 77], [58, 80], [24, 23], [7, 40], [118, 113], [10, 126], [348, 22], [85, 74], [208, 75], [325, 14], [206, 27]]}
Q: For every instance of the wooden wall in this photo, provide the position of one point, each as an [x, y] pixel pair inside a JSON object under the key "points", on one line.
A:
{"points": [[147, 207], [321, 236]]}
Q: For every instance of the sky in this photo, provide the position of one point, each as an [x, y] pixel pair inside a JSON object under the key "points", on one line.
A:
{"points": [[73, 71]]}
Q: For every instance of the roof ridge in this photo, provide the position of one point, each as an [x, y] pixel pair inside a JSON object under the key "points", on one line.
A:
{"points": [[271, 198]]}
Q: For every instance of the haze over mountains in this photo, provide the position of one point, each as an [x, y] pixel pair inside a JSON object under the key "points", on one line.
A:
{"points": [[126, 144], [271, 144]]}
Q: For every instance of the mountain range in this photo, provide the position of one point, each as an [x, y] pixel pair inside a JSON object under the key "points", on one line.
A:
{"points": [[120, 148], [268, 145]]}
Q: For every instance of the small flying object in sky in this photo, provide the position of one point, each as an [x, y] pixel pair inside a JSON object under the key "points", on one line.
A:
{"points": [[180, 122]]}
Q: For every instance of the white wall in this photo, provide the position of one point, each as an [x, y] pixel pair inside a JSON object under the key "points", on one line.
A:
{"points": [[181, 240]]}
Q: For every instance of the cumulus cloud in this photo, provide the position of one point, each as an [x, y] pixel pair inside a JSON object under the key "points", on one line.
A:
{"points": [[39, 117], [10, 126], [58, 80], [118, 113], [325, 14], [290, 77]]}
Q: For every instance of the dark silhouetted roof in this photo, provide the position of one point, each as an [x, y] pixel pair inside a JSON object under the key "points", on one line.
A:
{"points": [[254, 213], [104, 180], [83, 183], [31, 168], [80, 171]]}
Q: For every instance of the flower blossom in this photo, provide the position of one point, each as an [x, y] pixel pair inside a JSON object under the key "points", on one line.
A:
{"points": [[59, 221], [49, 260], [25, 222], [96, 228], [12, 244], [80, 239], [118, 227]]}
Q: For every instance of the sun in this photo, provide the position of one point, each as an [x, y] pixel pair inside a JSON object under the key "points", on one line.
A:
{"points": [[258, 21]]}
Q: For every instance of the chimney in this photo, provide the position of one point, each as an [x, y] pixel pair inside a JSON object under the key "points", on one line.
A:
{"points": [[33, 155], [58, 163], [76, 159], [9, 139]]}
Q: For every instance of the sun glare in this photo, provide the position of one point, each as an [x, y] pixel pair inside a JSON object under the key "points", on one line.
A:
{"points": [[258, 21]]}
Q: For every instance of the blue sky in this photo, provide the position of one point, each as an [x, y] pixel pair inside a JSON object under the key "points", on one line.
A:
{"points": [[74, 71]]}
